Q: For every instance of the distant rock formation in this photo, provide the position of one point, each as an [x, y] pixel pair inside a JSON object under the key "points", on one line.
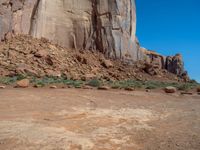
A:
{"points": [[108, 26], [173, 64]]}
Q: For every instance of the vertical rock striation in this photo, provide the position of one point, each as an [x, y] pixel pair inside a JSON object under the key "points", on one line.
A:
{"points": [[15, 17], [108, 26]]}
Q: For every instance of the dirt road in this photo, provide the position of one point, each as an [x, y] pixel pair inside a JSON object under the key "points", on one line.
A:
{"points": [[75, 119]]}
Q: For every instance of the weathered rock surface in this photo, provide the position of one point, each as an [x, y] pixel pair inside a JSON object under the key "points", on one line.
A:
{"points": [[15, 17], [173, 64], [108, 26], [24, 55]]}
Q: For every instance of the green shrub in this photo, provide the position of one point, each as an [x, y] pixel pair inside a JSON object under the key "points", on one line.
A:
{"points": [[184, 87], [8, 80], [115, 86], [77, 84], [94, 83]]}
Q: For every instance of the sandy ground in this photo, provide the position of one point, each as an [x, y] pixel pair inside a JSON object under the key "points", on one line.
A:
{"points": [[75, 119]]}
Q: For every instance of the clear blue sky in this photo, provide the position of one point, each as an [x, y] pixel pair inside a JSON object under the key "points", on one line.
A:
{"points": [[170, 27]]}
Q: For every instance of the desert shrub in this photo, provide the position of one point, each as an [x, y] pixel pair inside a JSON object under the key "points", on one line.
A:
{"points": [[8, 80], [127, 84], [47, 80], [193, 81], [187, 86], [94, 83], [77, 84], [115, 86], [154, 84], [20, 77], [151, 87], [184, 87]]}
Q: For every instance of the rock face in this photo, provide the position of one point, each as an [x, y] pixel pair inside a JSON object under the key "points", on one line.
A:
{"points": [[15, 17], [108, 26], [173, 64]]}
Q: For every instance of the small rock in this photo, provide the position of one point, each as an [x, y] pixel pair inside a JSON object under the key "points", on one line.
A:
{"points": [[107, 63], [82, 59], [87, 87], [37, 86], [147, 90], [49, 60], [170, 89], [23, 83], [198, 89], [129, 89], [41, 53], [88, 77], [53, 87], [2, 87], [53, 73], [31, 72], [70, 86], [186, 93], [103, 88]]}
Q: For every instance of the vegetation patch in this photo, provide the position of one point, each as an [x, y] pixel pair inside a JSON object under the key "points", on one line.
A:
{"points": [[94, 83], [41, 82]]}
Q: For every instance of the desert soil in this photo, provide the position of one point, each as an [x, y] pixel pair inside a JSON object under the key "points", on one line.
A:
{"points": [[76, 119]]}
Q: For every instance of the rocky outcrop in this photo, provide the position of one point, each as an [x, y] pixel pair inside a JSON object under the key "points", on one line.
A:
{"points": [[173, 64], [108, 26], [27, 56]]}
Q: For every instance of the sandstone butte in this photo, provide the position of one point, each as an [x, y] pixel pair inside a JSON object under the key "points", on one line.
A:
{"points": [[107, 26]]}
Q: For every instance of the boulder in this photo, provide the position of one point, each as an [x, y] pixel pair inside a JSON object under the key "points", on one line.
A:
{"points": [[23, 83], [41, 53], [53, 87], [198, 89], [2, 87], [148, 90], [107, 63], [129, 89], [103, 88], [170, 89]]}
